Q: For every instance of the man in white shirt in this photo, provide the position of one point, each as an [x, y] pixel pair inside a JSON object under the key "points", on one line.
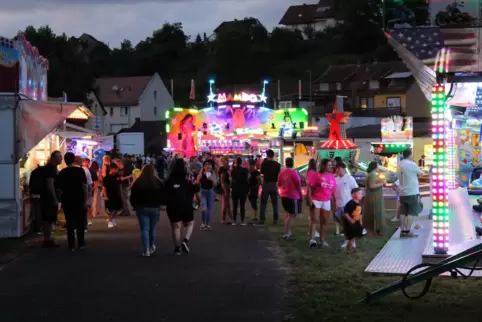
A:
{"points": [[410, 204], [344, 185]]}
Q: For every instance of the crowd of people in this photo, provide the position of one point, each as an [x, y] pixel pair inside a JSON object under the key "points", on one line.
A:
{"points": [[125, 185]]}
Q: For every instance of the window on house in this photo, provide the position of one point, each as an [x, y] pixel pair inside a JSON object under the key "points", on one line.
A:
{"points": [[155, 96], [338, 86], [366, 102], [324, 87], [124, 111], [111, 111], [155, 110], [394, 102], [373, 84]]}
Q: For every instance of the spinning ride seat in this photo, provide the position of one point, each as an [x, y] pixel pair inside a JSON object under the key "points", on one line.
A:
{"points": [[475, 186]]}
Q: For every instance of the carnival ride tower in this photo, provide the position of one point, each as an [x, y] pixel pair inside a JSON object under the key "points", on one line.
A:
{"points": [[338, 145]]}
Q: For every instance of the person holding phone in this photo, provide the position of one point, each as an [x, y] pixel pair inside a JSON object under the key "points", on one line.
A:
{"points": [[207, 180]]}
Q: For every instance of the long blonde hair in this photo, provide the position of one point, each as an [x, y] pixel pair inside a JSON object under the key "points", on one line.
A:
{"points": [[148, 178]]}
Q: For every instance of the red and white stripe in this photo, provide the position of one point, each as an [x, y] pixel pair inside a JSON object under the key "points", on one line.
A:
{"points": [[464, 46]]}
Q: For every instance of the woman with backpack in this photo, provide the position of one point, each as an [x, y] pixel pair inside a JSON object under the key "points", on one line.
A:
{"points": [[180, 190], [147, 198]]}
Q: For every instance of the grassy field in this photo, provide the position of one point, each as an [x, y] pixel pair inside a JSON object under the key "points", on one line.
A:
{"points": [[326, 283]]}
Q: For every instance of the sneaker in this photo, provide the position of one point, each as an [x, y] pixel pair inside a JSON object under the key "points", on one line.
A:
{"points": [[110, 224], [177, 250], [395, 219], [323, 244], [243, 223], [208, 228], [146, 254], [313, 243], [152, 250], [345, 243], [89, 223], [203, 227], [339, 234], [114, 223], [234, 224], [364, 232], [253, 221], [286, 237], [185, 247], [317, 235]]}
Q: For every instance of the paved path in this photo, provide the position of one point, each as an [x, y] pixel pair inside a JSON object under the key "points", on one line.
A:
{"points": [[232, 274]]}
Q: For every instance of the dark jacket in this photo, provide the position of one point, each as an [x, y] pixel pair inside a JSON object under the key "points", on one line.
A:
{"points": [[239, 177], [147, 197]]}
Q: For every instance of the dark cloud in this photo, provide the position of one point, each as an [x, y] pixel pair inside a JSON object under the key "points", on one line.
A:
{"points": [[112, 21]]}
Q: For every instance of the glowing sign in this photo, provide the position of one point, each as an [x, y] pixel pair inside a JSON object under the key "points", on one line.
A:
{"points": [[249, 131], [241, 97]]}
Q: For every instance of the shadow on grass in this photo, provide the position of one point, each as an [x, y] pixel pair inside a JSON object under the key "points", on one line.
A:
{"points": [[326, 283]]}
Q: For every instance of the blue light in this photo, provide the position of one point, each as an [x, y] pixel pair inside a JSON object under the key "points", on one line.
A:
{"points": [[211, 81], [265, 82]]}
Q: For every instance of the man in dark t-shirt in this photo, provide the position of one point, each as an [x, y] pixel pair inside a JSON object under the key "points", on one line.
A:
{"points": [[48, 198], [111, 186], [270, 170], [71, 184]]}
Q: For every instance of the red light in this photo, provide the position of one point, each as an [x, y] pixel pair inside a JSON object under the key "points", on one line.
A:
{"points": [[440, 89]]}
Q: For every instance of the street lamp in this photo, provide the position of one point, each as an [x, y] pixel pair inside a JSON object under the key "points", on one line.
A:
{"points": [[311, 90]]}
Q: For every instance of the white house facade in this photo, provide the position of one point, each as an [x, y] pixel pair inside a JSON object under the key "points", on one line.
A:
{"points": [[127, 99]]}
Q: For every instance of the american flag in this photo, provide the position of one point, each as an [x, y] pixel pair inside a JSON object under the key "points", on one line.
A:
{"points": [[425, 43]]}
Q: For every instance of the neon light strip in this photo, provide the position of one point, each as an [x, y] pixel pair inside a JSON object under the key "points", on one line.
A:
{"points": [[440, 209]]}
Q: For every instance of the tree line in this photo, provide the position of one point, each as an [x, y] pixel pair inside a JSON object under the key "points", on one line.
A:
{"points": [[243, 55]]}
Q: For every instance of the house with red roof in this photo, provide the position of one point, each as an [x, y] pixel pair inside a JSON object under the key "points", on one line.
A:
{"points": [[127, 100]]}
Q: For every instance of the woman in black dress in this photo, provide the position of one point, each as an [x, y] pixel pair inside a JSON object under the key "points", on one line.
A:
{"points": [[180, 190]]}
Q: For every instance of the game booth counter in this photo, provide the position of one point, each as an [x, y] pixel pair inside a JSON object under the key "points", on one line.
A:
{"points": [[27, 128], [240, 124]]}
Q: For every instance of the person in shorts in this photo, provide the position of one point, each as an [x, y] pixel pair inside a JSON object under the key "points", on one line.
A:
{"points": [[352, 219], [410, 203], [321, 192], [289, 187], [254, 184], [112, 195], [345, 183]]}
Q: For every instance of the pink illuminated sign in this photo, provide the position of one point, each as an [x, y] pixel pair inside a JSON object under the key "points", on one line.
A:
{"points": [[241, 97]]}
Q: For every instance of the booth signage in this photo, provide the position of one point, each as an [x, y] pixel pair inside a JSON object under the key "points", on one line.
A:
{"points": [[240, 97]]}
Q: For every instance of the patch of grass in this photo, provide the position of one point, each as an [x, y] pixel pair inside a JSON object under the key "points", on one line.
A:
{"points": [[326, 283]]}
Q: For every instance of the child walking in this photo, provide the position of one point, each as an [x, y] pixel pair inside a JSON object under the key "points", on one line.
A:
{"points": [[352, 219]]}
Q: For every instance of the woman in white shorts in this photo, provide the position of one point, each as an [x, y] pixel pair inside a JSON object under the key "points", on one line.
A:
{"points": [[321, 193]]}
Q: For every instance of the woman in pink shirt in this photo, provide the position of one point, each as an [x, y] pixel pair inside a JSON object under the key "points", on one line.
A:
{"points": [[311, 176], [289, 187], [320, 193]]}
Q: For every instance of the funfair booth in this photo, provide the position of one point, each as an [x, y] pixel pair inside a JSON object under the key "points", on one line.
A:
{"points": [[240, 124], [26, 125]]}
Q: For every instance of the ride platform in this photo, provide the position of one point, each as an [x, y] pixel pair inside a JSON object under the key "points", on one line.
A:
{"points": [[399, 255]]}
